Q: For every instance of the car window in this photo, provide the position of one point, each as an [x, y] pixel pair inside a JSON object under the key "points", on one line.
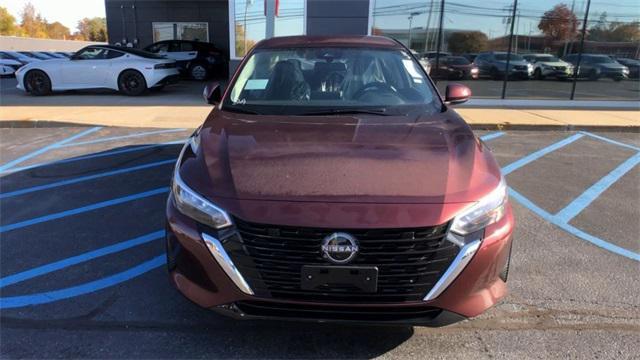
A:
{"points": [[186, 46], [113, 54], [301, 80], [174, 46], [161, 47], [91, 54]]}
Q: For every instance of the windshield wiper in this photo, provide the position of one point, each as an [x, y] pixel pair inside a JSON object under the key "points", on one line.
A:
{"points": [[381, 112], [240, 110]]}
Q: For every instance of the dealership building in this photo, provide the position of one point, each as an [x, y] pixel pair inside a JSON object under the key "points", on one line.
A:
{"points": [[458, 27]]}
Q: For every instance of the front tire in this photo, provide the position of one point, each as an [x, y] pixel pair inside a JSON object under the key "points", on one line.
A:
{"points": [[538, 74], [132, 83], [37, 83], [198, 71]]}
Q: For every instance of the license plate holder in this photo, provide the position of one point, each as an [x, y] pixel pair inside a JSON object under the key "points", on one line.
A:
{"points": [[316, 277]]}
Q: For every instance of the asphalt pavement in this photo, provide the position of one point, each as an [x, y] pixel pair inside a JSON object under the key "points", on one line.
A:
{"points": [[82, 266]]}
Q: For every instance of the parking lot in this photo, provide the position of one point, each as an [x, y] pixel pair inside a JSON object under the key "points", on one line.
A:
{"points": [[82, 258]]}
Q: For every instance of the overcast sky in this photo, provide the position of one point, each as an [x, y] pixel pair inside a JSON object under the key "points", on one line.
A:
{"points": [[68, 12]]}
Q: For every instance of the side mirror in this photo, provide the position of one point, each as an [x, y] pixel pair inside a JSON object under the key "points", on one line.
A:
{"points": [[456, 94], [212, 93]]}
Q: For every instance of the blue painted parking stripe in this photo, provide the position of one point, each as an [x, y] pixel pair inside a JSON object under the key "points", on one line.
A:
{"points": [[495, 135], [128, 136], [571, 229], [74, 260], [83, 209], [87, 288], [48, 147], [581, 202], [611, 141], [85, 178], [540, 153], [93, 156]]}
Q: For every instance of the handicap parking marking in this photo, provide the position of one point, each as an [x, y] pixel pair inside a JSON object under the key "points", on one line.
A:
{"points": [[93, 156], [78, 259], [491, 136], [592, 193], [83, 209], [121, 137], [611, 141], [83, 289], [540, 153], [49, 147], [571, 229], [86, 178]]}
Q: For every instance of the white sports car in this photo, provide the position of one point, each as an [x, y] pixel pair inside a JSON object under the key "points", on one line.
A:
{"points": [[127, 70]]}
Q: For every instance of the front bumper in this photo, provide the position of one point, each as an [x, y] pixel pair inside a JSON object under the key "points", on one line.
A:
{"points": [[195, 272]]}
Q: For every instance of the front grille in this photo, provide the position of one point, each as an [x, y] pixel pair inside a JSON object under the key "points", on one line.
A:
{"points": [[320, 312], [409, 260], [560, 68]]}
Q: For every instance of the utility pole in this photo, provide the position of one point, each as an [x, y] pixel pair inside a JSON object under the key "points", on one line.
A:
{"points": [[575, 68], [439, 44], [506, 70]]}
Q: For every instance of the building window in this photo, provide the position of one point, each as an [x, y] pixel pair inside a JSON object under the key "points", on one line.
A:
{"points": [[198, 31], [250, 25]]}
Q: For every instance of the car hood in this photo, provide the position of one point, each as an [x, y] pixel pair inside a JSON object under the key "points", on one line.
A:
{"points": [[553, 63], [611, 66], [429, 159]]}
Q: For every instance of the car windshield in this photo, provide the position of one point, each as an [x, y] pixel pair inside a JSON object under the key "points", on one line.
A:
{"points": [[548, 58], [304, 81], [514, 57], [602, 60], [457, 60]]}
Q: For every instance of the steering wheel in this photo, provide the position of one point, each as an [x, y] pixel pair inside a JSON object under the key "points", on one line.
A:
{"points": [[374, 86]]}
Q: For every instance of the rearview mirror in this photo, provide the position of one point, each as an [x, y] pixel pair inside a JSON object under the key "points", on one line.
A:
{"points": [[456, 94], [212, 93]]}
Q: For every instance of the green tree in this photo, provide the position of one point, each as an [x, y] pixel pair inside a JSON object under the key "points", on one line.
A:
{"points": [[243, 45], [8, 23], [92, 29], [58, 31], [559, 23], [467, 42], [33, 24]]}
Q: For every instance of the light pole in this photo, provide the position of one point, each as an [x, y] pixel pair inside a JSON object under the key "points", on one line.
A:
{"points": [[410, 24]]}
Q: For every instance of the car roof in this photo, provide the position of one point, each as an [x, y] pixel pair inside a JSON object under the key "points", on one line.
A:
{"points": [[329, 41]]}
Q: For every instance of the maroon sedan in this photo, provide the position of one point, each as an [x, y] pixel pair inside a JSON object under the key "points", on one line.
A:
{"points": [[456, 68], [332, 183]]}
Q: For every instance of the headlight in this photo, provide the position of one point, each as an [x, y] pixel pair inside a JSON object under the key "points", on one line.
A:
{"points": [[193, 205], [530, 67], [474, 70], [625, 70], [488, 210]]}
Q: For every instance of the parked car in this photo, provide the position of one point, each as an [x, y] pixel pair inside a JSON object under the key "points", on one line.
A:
{"points": [[455, 68], [198, 60], [432, 54], [369, 200], [426, 64], [54, 55], [494, 65], [7, 61], [127, 70], [595, 66], [36, 54], [470, 56], [66, 54], [546, 65], [633, 65], [14, 55], [6, 70]]}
